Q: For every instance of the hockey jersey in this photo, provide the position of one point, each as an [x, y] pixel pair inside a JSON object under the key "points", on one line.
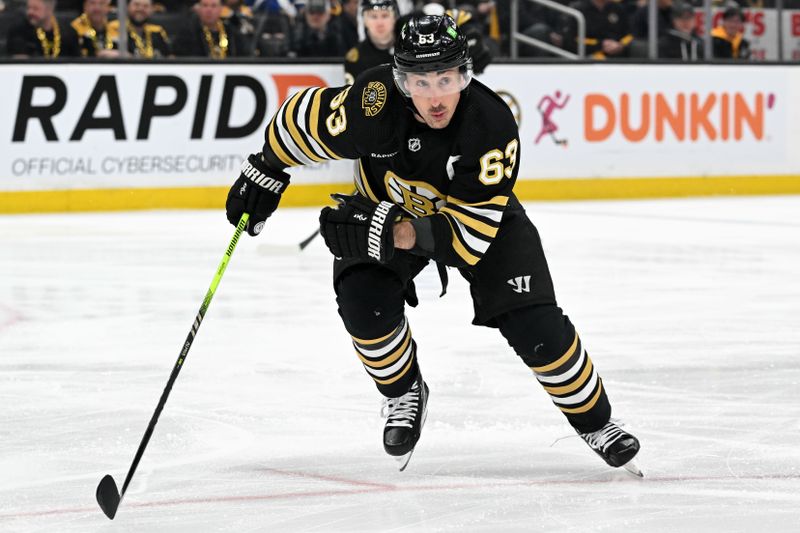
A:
{"points": [[461, 176]]}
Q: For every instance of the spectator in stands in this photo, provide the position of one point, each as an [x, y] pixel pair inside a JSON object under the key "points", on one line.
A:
{"points": [[728, 40], [485, 17], [317, 34], [348, 22], [240, 18], [607, 29], [681, 41], [92, 29], [41, 35], [145, 40], [379, 20], [274, 7], [641, 19], [208, 35], [548, 27]]}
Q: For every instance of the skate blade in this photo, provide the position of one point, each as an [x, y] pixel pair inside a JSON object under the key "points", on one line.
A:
{"points": [[403, 460], [633, 468]]}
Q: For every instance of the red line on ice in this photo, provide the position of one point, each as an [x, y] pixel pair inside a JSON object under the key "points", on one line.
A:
{"points": [[373, 488]]}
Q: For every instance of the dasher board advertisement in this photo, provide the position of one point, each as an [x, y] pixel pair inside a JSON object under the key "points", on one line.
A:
{"points": [[97, 130], [101, 126], [615, 121]]}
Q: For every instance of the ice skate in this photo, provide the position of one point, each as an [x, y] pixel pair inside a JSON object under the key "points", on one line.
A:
{"points": [[405, 417], [615, 446]]}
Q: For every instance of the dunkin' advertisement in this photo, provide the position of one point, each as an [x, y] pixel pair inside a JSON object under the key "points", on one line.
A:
{"points": [[596, 121]]}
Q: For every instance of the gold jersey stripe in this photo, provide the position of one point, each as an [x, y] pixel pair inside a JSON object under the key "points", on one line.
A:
{"points": [[497, 200], [295, 133], [313, 124], [583, 409], [398, 376], [477, 225], [465, 254], [365, 182], [389, 359], [560, 361], [276, 147], [577, 384], [368, 342]]}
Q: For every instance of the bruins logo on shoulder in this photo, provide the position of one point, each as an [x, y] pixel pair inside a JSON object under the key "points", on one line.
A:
{"points": [[372, 98], [352, 55]]}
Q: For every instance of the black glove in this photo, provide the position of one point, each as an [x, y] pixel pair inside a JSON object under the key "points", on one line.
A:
{"points": [[358, 227], [257, 191]]}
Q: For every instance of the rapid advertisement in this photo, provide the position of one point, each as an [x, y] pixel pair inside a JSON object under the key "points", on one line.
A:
{"points": [[122, 136]]}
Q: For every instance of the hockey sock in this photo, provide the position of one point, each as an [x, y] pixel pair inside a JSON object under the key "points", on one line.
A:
{"points": [[390, 360], [547, 343], [575, 387]]}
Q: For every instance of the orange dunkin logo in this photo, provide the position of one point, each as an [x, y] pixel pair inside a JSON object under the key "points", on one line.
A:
{"points": [[689, 117]]}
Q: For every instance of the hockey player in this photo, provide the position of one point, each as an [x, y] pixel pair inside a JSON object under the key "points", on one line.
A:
{"points": [[379, 19], [436, 156]]}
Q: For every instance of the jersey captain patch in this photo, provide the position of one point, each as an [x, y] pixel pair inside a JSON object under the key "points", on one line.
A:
{"points": [[373, 98]]}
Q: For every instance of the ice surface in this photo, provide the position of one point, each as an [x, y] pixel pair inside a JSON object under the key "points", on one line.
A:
{"points": [[690, 309]]}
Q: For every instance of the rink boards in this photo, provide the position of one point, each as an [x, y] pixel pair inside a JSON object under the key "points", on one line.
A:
{"points": [[118, 136]]}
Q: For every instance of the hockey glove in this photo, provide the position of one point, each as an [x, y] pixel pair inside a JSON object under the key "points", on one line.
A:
{"points": [[358, 227], [257, 191]]}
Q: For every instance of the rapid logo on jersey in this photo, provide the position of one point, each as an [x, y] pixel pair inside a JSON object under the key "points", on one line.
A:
{"points": [[418, 198], [373, 98]]}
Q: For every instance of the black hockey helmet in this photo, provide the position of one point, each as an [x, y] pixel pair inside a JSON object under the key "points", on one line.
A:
{"points": [[431, 43], [391, 5]]}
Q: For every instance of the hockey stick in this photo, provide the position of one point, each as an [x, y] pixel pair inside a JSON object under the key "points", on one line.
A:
{"points": [[305, 242], [107, 495], [308, 239]]}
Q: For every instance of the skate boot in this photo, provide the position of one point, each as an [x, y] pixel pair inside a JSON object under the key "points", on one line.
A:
{"points": [[615, 446], [405, 417]]}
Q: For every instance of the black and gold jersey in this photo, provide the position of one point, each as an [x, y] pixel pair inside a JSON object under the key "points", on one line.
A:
{"points": [[94, 40], [149, 42], [461, 176], [363, 57], [24, 39]]}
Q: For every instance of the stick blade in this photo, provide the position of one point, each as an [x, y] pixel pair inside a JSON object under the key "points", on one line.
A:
{"points": [[108, 496]]}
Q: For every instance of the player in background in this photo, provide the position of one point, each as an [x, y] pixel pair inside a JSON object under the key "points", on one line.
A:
{"points": [[379, 19], [436, 156]]}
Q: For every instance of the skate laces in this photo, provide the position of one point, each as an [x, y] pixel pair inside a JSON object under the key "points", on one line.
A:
{"points": [[604, 436], [400, 412]]}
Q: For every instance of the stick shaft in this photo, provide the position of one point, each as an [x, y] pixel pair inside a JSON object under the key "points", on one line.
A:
{"points": [[308, 239], [186, 346]]}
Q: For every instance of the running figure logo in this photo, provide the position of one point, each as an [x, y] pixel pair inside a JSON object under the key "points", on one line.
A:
{"points": [[547, 105]]}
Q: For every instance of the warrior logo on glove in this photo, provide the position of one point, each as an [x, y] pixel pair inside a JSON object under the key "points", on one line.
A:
{"points": [[376, 226], [257, 191]]}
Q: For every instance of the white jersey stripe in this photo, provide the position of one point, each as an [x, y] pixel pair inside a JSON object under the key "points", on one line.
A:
{"points": [[582, 395], [389, 370], [300, 109], [565, 376]]}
